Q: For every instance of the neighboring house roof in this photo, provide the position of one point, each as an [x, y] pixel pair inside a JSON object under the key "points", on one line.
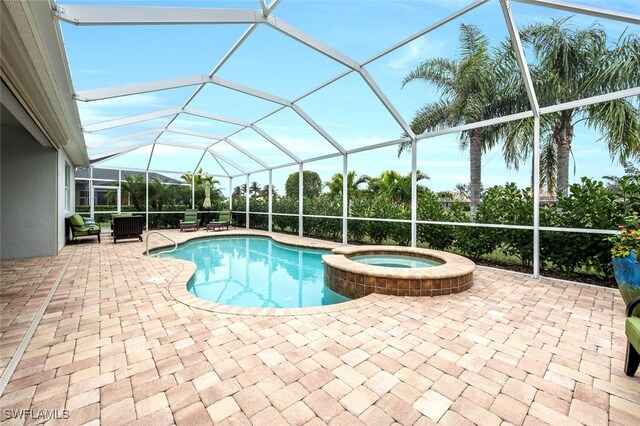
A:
{"points": [[454, 196], [112, 174]]}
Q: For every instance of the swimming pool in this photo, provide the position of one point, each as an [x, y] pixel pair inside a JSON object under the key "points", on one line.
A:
{"points": [[256, 272]]}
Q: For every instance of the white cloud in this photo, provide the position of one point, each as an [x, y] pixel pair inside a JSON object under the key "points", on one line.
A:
{"points": [[408, 54]]}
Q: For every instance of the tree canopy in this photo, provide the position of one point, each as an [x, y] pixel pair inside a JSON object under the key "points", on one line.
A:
{"points": [[311, 184]]}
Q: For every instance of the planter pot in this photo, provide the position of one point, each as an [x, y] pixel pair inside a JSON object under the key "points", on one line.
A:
{"points": [[627, 273]]}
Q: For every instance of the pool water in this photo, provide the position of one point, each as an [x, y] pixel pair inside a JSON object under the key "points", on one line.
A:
{"points": [[256, 272], [395, 261]]}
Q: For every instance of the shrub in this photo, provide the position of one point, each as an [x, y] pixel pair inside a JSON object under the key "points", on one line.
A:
{"points": [[474, 242], [513, 206], [379, 231], [322, 227], [286, 205], [438, 237], [357, 229], [588, 205]]}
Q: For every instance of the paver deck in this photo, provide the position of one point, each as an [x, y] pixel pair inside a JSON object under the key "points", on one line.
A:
{"points": [[116, 347]]}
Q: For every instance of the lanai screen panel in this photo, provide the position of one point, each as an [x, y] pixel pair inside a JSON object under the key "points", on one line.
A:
{"points": [[575, 26], [363, 29], [105, 56], [261, 147], [204, 125], [349, 106], [135, 159], [351, 112], [435, 70], [277, 64], [215, 99], [297, 135]]}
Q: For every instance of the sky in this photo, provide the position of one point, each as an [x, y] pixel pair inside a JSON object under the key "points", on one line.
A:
{"points": [[347, 109]]}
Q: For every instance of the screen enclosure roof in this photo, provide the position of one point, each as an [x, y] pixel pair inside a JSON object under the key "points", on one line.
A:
{"points": [[240, 87]]}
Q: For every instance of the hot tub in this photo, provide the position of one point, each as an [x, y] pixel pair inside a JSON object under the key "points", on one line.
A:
{"points": [[395, 261], [400, 271]]}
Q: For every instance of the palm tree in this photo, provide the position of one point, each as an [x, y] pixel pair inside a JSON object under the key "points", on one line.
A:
{"points": [[335, 185], [570, 64], [190, 177], [468, 94], [135, 188], [160, 193], [239, 190], [254, 189], [396, 186], [264, 192]]}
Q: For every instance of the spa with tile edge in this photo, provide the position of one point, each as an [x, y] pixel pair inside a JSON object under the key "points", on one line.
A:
{"points": [[354, 279]]}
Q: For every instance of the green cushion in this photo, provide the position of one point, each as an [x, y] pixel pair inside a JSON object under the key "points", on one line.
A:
{"points": [[632, 330], [76, 220], [190, 217], [81, 231], [121, 215]]}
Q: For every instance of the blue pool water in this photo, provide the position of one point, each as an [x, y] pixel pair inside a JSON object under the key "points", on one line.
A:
{"points": [[256, 272], [395, 261]]}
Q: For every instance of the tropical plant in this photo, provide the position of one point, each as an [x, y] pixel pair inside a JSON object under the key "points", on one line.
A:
{"points": [[321, 226], [311, 184], [134, 187], [357, 229], [159, 194], [264, 192], [240, 191], [588, 205], [628, 239], [467, 93], [197, 179], [510, 205], [394, 186], [254, 189], [286, 205], [438, 237], [574, 63], [335, 185]]}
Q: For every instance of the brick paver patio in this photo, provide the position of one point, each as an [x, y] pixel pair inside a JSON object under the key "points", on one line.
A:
{"points": [[115, 347]]}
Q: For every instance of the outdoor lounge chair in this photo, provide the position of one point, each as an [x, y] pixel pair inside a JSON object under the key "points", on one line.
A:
{"points": [[190, 220], [124, 227], [632, 330], [80, 229], [224, 220]]}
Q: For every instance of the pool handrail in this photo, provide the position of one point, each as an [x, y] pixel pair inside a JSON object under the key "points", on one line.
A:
{"points": [[175, 245]]}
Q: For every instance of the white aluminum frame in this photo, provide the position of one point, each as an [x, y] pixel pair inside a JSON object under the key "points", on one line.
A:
{"points": [[118, 15]]}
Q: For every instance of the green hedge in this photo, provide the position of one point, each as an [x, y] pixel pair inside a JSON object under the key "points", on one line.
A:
{"points": [[589, 204]]}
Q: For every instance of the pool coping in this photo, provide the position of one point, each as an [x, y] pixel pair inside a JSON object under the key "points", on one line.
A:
{"points": [[177, 287]]}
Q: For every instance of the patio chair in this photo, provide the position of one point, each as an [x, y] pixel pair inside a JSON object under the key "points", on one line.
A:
{"points": [[80, 229], [632, 330], [124, 227], [224, 220], [190, 220]]}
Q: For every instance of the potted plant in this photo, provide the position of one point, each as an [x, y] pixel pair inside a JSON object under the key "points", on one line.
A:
{"points": [[626, 261]]}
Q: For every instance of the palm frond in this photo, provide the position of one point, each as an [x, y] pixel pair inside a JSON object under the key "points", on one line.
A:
{"points": [[472, 41], [438, 71], [619, 123]]}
